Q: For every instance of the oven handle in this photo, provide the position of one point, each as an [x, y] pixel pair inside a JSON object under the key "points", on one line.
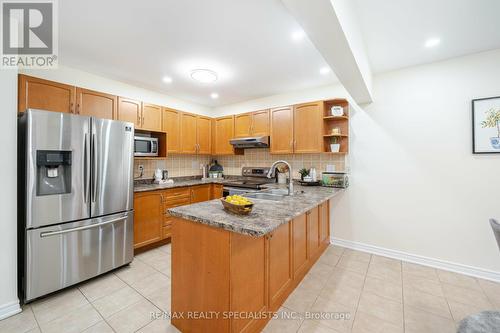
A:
{"points": [[60, 232]]}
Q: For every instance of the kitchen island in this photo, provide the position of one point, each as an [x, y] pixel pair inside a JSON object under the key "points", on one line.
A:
{"points": [[231, 272]]}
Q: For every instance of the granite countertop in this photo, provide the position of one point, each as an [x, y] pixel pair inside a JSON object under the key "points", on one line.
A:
{"points": [[266, 215], [148, 185]]}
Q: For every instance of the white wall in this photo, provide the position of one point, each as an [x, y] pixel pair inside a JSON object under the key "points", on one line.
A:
{"points": [[9, 303], [91, 81], [415, 185]]}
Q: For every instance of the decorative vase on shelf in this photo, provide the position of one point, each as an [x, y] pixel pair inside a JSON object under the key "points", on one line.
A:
{"points": [[335, 147]]}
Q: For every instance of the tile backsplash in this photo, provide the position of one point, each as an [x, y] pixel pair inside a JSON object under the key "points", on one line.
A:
{"points": [[189, 165], [177, 165], [261, 157]]}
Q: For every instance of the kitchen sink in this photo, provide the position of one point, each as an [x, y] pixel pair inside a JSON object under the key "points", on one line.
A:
{"points": [[278, 191], [265, 196]]}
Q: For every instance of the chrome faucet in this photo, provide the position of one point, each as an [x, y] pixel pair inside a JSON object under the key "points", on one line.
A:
{"points": [[290, 180]]}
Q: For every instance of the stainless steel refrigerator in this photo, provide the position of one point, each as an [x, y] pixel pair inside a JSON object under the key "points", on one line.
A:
{"points": [[75, 199]]}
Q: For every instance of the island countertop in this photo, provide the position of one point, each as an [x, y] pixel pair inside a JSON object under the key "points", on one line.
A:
{"points": [[266, 215]]}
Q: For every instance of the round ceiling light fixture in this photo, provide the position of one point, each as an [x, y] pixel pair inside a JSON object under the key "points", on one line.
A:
{"points": [[324, 70], [204, 75], [431, 42], [214, 95], [167, 79]]}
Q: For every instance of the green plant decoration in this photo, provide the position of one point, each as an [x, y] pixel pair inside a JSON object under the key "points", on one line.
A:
{"points": [[303, 172], [492, 119]]}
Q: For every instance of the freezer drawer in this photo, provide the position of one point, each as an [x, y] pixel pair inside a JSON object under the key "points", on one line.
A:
{"points": [[62, 255]]}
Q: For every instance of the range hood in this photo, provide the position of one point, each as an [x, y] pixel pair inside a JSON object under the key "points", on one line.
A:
{"points": [[251, 142]]}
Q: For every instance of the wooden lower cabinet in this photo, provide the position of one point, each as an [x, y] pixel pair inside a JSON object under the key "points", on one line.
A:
{"points": [[217, 191], [148, 217], [313, 243], [219, 271], [200, 193], [324, 223], [152, 222], [280, 265]]}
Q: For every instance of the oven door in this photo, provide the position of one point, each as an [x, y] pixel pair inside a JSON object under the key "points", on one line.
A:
{"points": [[62, 255], [144, 146]]}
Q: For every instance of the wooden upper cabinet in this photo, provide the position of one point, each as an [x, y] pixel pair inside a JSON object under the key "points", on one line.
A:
{"points": [[242, 125], [203, 134], [308, 127], [151, 117], [223, 132], [35, 93], [148, 217], [188, 133], [96, 104], [260, 123], [282, 130], [171, 124], [130, 110]]}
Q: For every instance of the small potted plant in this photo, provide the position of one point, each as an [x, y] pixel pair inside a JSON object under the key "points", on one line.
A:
{"points": [[303, 173], [334, 145], [492, 121]]}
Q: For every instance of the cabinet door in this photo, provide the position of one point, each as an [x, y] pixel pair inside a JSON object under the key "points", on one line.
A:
{"points": [[242, 125], [96, 104], [151, 117], [172, 125], [324, 223], [313, 232], [217, 190], [280, 265], [308, 127], [35, 93], [188, 133], [130, 110], [223, 132], [200, 193], [203, 135], [282, 130], [300, 257], [260, 123], [148, 217]]}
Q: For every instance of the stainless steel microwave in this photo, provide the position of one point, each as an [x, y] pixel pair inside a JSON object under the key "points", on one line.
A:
{"points": [[145, 146]]}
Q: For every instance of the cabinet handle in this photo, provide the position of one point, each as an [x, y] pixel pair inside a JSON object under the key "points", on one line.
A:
{"points": [[162, 198], [295, 144], [142, 124], [138, 118], [71, 108]]}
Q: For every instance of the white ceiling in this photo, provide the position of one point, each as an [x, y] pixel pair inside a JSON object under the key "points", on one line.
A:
{"points": [[394, 31], [248, 43]]}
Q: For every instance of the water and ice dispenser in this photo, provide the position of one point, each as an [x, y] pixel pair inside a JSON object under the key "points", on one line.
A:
{"points": [[53, 172]]}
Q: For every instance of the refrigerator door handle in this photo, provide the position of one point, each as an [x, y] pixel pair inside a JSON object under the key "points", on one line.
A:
{"points": [[94, 170], [60, 232], [86, 170]]}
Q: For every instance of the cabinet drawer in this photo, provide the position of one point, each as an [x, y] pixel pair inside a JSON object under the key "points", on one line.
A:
{"points": [[177, 193], [176, 202]]}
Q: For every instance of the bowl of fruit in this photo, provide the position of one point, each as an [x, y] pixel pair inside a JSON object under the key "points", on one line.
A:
{"points": [[237, 204]]}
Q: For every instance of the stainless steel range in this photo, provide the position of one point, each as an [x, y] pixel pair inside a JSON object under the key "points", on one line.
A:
{"points": [[75, 199], [253, 179]]}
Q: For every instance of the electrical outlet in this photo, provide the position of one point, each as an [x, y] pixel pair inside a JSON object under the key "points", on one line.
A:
{"points": [[141, 168]]}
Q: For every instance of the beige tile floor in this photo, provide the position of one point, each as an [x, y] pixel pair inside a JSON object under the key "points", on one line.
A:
{"points": [[363, 293]]}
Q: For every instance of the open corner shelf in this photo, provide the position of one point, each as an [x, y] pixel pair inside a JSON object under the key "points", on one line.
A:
{"points": [[340, 122]]}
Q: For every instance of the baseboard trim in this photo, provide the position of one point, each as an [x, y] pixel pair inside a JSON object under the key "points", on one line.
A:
{"points": [[425, 261], [9, 309]]}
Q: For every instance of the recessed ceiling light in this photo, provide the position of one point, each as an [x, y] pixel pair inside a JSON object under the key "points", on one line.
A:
{"points": [[167, 79], [204, 75], [431, 42], [214, 95], [298, 35], [324, 70]]}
